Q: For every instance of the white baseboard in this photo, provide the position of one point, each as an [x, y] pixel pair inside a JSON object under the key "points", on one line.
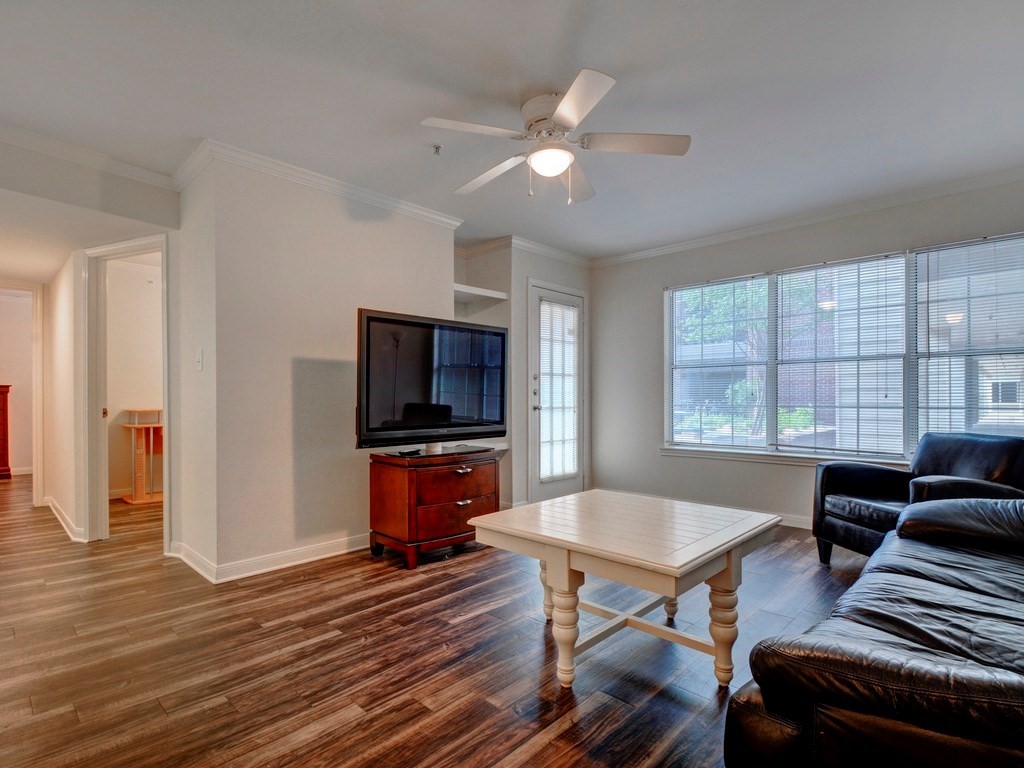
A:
{"points": [[194, 560], [797, 521], [21, 470], [75, 534], [272, 562]]}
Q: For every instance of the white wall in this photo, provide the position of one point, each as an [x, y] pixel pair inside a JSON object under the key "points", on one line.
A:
{"points": [[192, 432], [134, 359], [292, 264], [16, 370], [61, 433], [627, 345]]}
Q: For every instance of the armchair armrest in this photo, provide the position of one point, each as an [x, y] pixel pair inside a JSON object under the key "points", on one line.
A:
{"points": [[854, 478], [992, 524], [934, 487]]}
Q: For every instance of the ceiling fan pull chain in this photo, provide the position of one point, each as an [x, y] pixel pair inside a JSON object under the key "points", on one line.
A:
{"points": [[569, 201], [531, 181]]}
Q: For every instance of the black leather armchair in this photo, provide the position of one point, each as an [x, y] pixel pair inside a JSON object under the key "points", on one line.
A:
{"points": [[856, 504]]}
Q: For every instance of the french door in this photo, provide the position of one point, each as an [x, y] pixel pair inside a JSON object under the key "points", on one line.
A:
{"points": [[556, 393]]}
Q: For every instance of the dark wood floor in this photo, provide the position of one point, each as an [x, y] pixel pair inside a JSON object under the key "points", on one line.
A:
{"points": [[113, 655]]}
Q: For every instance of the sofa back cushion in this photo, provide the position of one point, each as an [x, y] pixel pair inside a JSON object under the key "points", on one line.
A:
{"points": [[995, 458]]}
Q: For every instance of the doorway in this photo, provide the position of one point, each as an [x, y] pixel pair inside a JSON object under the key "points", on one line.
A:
{"points": [[127, 380], [21, 366], [134, 360], [556, 349]]}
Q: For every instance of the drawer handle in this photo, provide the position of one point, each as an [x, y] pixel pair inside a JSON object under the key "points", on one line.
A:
{"points": [[463, 503], [463, 470]]}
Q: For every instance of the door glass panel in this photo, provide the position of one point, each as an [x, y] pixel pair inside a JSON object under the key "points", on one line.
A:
{"points": [[559, 374]]}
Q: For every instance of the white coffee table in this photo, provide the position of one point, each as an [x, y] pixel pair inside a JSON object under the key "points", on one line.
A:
{"points": [[658, 545]]}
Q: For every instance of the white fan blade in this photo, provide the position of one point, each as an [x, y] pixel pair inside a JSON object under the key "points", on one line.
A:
{"points": [[490, 175], [587, 89], [458, 125], [645, 143], [577, 184]]}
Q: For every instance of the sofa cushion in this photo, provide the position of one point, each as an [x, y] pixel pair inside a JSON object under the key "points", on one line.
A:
{"points": [[984, 573], [996, 524], [939, 619], [878, 514]]}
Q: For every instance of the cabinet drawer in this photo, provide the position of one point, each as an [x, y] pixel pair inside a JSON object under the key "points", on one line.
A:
{"points": [[440, 520], [454, 483]]}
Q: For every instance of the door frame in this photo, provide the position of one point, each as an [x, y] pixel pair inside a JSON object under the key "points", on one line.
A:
{"points": [[533, 356], [96, 493], [37, 384]]}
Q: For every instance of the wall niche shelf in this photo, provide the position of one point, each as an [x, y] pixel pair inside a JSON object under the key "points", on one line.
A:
{"points": [[471, 294]]}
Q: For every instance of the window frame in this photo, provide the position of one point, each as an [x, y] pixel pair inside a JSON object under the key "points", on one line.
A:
{"points": [[912, 356]]}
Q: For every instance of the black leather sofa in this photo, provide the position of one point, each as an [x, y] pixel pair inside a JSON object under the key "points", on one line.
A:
{"points": [[921, 662], [856, 504]]}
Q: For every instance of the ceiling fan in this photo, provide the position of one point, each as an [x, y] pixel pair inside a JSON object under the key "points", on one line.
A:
{"points": [[549, 121]]}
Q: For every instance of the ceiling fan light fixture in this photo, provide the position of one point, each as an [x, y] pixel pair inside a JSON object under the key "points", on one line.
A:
{"points": [[550, 159]]}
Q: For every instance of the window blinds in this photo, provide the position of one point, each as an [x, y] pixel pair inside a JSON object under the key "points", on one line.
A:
{"points": [[970, 337], [559, 372], [840, 357]]}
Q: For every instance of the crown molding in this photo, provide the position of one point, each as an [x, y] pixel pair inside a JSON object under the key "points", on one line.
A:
{"points": [[80, 155], [549, 252], [829, 214], [210, 150]]}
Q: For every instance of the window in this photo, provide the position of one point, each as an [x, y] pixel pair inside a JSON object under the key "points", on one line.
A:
{"points": [[719, 362], [840, 357], [1005, 392], [970, 336], [559, 373], [860, 357]]}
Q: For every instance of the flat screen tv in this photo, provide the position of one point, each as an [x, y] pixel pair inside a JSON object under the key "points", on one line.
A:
{"points": [[424, 380]]}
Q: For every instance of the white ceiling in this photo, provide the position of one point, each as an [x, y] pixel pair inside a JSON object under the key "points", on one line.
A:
{"points": [[793, 105]]}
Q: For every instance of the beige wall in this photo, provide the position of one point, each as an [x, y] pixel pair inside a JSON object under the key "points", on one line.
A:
{"points": [[62, 433], [16, 370], [134, 360], [627, 344], [291, 263]]}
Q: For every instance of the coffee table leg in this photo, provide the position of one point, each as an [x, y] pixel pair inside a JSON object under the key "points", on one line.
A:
{"points": [[565, 584], [548, 605], [671, 607], [723, 616], [566, 630]]}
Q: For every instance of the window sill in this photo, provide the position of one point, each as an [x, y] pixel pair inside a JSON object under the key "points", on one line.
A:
{"points": [[773, 457]]}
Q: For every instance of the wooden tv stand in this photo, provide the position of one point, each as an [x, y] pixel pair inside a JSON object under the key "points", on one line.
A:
{"points": [[419, 503]]}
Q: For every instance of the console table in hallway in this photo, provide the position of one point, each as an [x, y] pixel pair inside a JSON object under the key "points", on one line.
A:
{"points": [[659, 545], [147, 443]]}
